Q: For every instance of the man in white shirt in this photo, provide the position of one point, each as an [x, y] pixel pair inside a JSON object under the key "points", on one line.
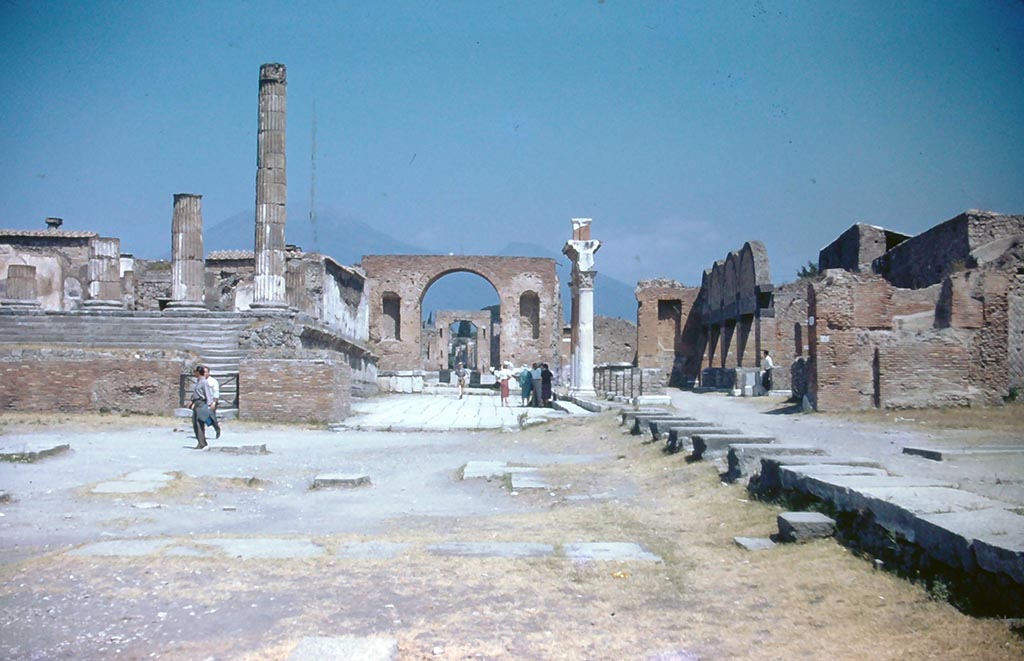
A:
{"points": [[215, 389], [767, 365]]}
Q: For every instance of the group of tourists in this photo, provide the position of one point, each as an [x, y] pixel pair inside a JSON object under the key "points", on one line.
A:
{"points": [[534, 383], [205, 395]]}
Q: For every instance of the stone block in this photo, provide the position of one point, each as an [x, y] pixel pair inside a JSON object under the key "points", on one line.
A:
{"points": [[32, 454], [590, 551], [371, 550], [340, 480], [347, 648], [804, 526], [745, 458], [771, 465], [846, 492], [629, 414], [492, 549], [641, 422], [991, 540], [240, 449], [754, 543], [794, 477], [658, 427], [719, 443]]}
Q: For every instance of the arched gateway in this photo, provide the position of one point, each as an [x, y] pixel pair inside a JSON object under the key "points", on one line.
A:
{"points": [[531, 311]]}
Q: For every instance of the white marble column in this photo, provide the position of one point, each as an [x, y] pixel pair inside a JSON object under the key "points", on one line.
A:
{"points": [[269, 289], [581, 251]]}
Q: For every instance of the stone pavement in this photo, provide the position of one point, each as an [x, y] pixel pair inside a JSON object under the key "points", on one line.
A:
{"points": [[443, 412]]}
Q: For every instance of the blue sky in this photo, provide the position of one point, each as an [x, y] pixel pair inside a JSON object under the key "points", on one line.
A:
{"points": [[682, 128]]}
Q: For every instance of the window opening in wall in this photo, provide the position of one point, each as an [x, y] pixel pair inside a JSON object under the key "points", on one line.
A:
{"points": [[392, 308], [529, 313]]}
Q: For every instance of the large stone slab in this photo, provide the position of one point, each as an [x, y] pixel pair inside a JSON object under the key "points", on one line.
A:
{"points": [[528, 479], [771, 464], [262, 548], [846, 491], [991, 540], [794, 477], [140, 481], [345, 648], [491, 469], [629, 414], [659, 427], [719, 443], [340, 481], [604, 551], [898, 508], [31, 453], [492, 549], [942, 454], [754, 543], [804, 526], [371, 550], [745, 458], [240, 449]]}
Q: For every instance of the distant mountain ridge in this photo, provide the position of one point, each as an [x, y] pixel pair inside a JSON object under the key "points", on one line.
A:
{"points": [[347, 240]]}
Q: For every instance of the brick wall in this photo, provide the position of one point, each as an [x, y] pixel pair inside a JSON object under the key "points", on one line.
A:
{"points": [[614, 340], [84, 380], [669, 329], [294, 390]]}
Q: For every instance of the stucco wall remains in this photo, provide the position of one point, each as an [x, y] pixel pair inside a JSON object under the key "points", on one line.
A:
{"points": [[402, 281]]}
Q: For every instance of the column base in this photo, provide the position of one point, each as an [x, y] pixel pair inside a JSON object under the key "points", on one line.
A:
{"points": [[185, 306], [97, 304], [582, 392]]}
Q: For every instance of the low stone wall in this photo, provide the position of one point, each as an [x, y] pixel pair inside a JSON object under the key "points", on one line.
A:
{"points": [[295, 390], [82, 380]]}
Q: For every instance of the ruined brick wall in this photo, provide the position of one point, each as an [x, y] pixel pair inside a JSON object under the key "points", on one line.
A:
{"points": [[785, 336], [481, 343], [83, 380], [397, 284], [669, 330], [152, 284], [614, 340], [858, 247], [927, 258], [294, 390]]}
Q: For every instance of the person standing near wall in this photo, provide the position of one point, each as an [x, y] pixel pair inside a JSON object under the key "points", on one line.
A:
{"points": [[545, 385], [504, 376], [525, 384], [215, 390], [535, 389], [200, 403], [767, 365]]}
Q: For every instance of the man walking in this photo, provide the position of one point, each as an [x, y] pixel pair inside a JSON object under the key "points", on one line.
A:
{"points": [[767, 365], [200, 403], [215, 390]]}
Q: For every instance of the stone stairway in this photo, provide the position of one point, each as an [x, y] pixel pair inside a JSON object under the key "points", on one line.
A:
{"points": [[213, 336]]}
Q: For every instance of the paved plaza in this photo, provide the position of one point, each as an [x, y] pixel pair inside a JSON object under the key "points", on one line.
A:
{"points": [[466, 531]]}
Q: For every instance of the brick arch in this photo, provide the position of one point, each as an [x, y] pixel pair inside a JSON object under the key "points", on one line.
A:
{"points": [[410, 276]]}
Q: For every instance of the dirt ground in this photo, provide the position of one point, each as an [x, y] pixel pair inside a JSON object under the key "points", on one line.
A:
{"points": [[707, 599]]}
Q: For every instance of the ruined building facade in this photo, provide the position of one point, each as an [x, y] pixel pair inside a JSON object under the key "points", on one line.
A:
{"points": [[891, 321]]}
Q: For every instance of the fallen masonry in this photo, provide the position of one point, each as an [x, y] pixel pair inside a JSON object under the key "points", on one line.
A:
{"points": [[340, 480], [805, 526], [718, 443]]}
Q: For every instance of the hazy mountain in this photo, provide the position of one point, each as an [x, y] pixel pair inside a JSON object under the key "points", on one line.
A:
{"points": [[340, 237]]}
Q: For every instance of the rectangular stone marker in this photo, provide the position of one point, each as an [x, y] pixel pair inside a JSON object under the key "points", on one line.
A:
{"points": [[347, 648], [603, 551], [492, 549], [240, 449], [629, 414], [754, 543], [804, 526], [678, 435], [340, 480], [660, 427], [642, 422], [745, 458]]}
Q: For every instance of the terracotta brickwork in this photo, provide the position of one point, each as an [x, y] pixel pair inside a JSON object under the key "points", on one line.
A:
{"points": [[83, 380], [615, 340], [295, 390], [668, 330], [527, 290], [859, 246]]}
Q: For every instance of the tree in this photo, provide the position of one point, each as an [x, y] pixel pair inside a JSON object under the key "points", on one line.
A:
{"points": [[809, 271]]}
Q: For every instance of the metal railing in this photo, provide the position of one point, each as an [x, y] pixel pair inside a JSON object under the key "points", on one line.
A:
{"points": [[229, 390]]}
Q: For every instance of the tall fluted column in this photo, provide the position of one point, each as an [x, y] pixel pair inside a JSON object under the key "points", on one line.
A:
{"points": [[187, 265], [104, 274], [581, 251], [21, 287], [271, 191]]}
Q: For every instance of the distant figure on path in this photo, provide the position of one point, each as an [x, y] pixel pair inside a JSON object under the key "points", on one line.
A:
{"points": [[767, 364], [462, 374], [504, 376], [525, 384], [215, 389], [200, 403], [545, 385]]}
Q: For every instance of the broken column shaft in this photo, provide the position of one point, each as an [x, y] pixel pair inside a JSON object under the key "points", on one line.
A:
{"points": [[187, 265], [104, 273], [271, 191]]}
